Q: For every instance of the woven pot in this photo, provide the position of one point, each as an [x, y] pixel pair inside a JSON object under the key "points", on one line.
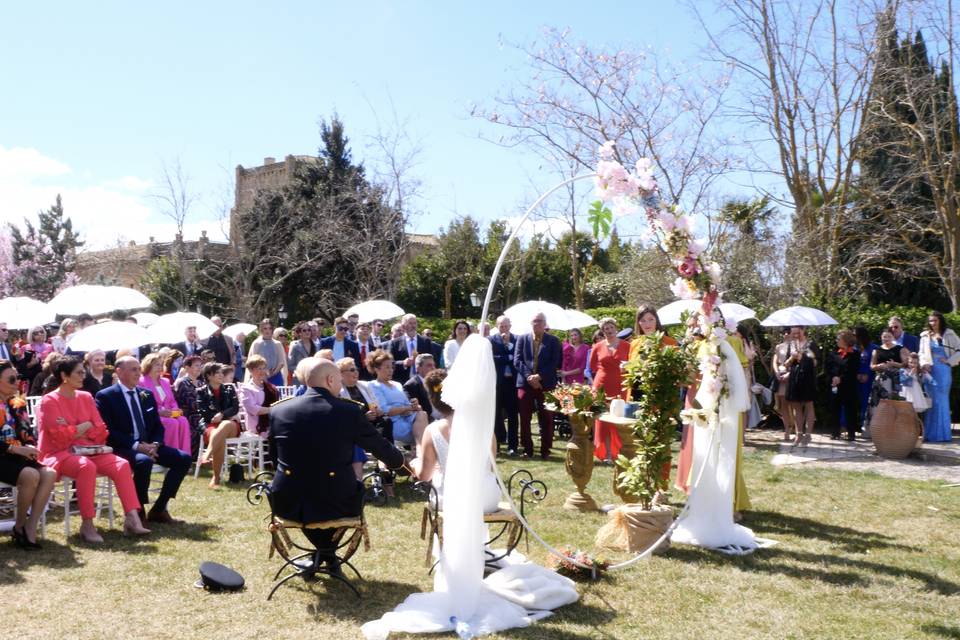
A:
{"points": [[894, 429], [632, 529]]}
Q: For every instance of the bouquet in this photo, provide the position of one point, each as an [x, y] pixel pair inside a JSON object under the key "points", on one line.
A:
{"points": [[575, 399], [565, 566]]}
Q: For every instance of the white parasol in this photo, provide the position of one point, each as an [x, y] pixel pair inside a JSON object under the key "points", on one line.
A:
{"points": [[241, 327], [670, 313], [145, 318], [170, 328], [374, 310], [20, 312], [109, 336], [522, 314], [96, 300], [578, 319], [736, 312], [797, 317]]}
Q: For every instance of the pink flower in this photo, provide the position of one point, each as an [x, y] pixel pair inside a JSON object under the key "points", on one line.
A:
{"points": [[682, 288], [688, 267], [645, 178], [713, 270], [696, 246], [667, 221], [719, 333], [606, 149]]}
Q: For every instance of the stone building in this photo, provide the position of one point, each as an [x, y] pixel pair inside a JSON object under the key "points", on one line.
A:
{"points": [[124, 265]]}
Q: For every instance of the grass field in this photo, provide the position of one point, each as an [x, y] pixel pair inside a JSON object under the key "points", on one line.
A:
{"points": [[858, 556]]}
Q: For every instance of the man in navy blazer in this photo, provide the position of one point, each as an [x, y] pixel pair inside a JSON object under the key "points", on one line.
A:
{"points": [[407, 347], [340, 344], [536, 361], [504, 346], [136, 433], [906, 340]]}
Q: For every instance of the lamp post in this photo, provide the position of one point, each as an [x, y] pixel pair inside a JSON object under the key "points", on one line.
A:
{"points": [[282, 314], [475, 299]]}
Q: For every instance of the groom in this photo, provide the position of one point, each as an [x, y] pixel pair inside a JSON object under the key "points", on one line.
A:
{"points": [[136, 434]]}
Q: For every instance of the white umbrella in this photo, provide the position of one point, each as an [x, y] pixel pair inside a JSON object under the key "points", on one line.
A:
{"points": [[241, 327], [145, 318], [578, 319], [797, 316], [170, 328], [670, 313], [25, 313], [110, 335], [736, 312], [522, 314], [374, 310], [96, 299]]}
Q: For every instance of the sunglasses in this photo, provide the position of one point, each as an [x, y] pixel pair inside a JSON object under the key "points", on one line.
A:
{"points": [[10, 379], [341, 327], [351, 370]]}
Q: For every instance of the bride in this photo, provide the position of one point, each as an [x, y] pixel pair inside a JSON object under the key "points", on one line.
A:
{"points": [[709, 519], [435, 446], [463, 600]]}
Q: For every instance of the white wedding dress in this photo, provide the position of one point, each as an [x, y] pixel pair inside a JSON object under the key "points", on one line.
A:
{"points": [[462, 600], [709, 519], [490, 494]]}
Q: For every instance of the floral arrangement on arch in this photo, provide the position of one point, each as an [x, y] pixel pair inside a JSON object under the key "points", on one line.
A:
{"points": [[575, 399], [696, 278]]}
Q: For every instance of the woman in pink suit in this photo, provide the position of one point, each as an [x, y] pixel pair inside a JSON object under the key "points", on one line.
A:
{"points": [[176, 427], [69, 418]]}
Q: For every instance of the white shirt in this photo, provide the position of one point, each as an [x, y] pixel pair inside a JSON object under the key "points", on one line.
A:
{"points": [[133, 420]]}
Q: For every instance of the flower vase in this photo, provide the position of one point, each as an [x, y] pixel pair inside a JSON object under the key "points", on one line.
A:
{"points": [[579, 465], [628, 449]]}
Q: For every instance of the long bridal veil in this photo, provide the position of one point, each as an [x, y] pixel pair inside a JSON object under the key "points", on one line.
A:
{"points": [[462, 600], [709, 520]]}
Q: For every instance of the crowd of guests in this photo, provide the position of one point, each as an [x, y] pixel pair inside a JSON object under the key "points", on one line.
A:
{"points": [[119, 414]]}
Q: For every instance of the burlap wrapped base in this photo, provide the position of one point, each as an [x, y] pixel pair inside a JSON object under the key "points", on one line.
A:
{"points": [[895, 429], [632, 529]]}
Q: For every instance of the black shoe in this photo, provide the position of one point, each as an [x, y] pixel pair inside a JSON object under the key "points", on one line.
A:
{"points": [[20, 539], [511, 453], [333, 567]]}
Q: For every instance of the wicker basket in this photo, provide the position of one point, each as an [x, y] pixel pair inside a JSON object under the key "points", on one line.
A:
{"points": [[894, 429], [632, 529]]}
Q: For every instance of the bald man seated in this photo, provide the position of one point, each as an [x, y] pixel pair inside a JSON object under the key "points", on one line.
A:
{"points": [[313, 437], [136, 433]]}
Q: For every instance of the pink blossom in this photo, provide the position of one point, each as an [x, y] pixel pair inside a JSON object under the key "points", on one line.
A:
{"points": [[696, 246], [716, 386], [667, 221], [688, 267], [713, 270], [606, 149], [645, 178], [685, 223], [683, 289]]}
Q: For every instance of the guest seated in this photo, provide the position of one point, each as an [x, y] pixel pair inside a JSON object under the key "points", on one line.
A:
{"points": [[68, 419], [185, 391], [256, 396], [176, 428], [314, 437], [33, 354], [172, 361], [415, 388], [18, 460], [98, 377], [408, 420], [436, 443], [352, 389], [136, 434], [219, 408], [45, 382]]}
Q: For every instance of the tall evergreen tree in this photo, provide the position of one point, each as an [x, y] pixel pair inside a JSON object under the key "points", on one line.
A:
{"points": [[45, 255], [908, 135]]}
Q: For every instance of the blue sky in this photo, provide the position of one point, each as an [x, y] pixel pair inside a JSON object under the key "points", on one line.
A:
{"points": [[98, 95]]}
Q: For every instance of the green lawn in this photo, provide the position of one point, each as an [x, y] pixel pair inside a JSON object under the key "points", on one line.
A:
{"points": [[859, 556]]}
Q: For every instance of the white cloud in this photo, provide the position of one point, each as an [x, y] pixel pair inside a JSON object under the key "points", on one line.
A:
{"points": [[103, 212]]}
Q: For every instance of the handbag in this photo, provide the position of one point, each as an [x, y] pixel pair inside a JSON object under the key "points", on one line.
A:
{"points": [[90, 449]]}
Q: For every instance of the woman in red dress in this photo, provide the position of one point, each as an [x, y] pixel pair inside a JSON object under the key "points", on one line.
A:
{"points": [[605, 360], [69, 418]]}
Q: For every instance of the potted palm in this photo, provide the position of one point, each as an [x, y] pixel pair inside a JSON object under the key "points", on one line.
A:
{"points": [[655, 377], [579, 403]]}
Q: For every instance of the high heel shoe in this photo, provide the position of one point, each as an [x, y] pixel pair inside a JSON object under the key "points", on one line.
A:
{"points": [[134, 528]]}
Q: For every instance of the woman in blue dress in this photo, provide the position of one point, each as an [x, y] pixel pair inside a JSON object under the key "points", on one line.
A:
{"points": [[409, 421], [939, 352], [864, 373]]}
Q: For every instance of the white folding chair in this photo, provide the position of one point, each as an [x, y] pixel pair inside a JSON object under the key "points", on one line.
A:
{"points": [[158, 470], [8, 505], [102, 495], [246, 449], [32, 403], [286, 391]]}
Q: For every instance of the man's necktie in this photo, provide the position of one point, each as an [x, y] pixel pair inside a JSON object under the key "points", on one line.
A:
{"points": [[138, 427]]}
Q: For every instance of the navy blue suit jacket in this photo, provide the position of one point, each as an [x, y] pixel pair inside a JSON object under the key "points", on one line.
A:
{"points": [[114, 410], [551, 355], [350, 348], [503, 357], [910, 342]]}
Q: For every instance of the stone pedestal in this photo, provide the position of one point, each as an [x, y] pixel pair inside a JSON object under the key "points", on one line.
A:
{"points": [[579, 465]]}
